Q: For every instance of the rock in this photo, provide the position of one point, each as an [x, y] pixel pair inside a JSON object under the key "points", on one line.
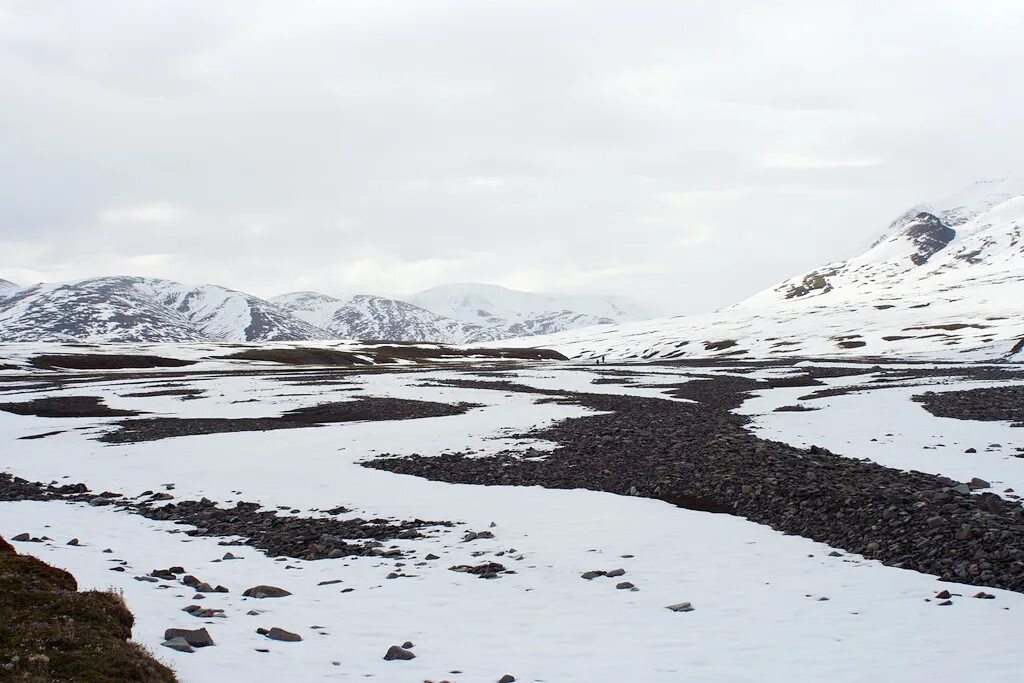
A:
{"points": [[681, 607], [73, 541], [976, 483], [229, 556], [625, 585], [507, 678], [971, 450], [984, 596], [265, 592], [590, 576], [942, 595], [199, 637], [935, 521], [962, 489], [285, 636], [330, 582], [396, 652], [616, 572], [179, 644], [945, 603], [964, 534], [21, 538], [835, 553], [431, 556], [408, 645]]}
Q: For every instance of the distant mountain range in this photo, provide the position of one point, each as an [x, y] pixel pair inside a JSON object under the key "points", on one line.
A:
{"points": [[946, 279], [134, 309]]}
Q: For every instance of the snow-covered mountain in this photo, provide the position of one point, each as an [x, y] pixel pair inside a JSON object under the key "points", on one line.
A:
{"points": [[514, 313], [7, 287], [945, 279], [131, 309], [373, 317]]}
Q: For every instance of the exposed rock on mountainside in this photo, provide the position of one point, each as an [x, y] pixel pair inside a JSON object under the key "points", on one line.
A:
{"points": [[131, 309], [373, 317], [944, 280]]}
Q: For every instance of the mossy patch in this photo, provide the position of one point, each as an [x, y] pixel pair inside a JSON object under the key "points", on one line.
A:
{"points": [[51, 633]]}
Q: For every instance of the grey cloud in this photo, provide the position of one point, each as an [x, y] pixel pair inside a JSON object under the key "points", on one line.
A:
{"points": [[390, 146]]}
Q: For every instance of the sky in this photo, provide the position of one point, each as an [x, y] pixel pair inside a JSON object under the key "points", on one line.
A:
{"points": [[686, 153]]}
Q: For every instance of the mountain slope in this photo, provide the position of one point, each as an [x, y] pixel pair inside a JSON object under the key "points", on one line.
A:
{"points": [[7, 287], [945, 280], [108, 309], [510, 312], [132, 309]]}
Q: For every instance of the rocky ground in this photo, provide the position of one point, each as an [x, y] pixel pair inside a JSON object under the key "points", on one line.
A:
{"points": [[990, 403], [699, 456]]}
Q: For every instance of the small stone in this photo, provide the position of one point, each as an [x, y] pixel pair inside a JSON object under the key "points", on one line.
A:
{"points": [[178, 643], [984, 596], [21, 538], [507, 678], [590, 576], [285, 636], [616, 572], [229, 556], [431, 556], [962, 489], [199, 637], [73, 541], [964, 534], [976, 483], [396, 652], [835, 553], [945, 603], [265, 592], [625, 585], [329, 583], [681, 607], [408, 645], [971, 450], [943, 595]]}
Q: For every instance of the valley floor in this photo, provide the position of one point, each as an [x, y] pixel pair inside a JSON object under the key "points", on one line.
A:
{"points": [[498, 486]]}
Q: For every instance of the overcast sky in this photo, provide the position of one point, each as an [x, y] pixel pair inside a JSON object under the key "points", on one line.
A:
{"points": [[685, 152]]}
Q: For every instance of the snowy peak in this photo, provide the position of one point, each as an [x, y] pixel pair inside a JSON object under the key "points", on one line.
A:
{"points": [[225, 314], [7, 287], [502, 308], [313, 307], [938, 246], [944, 280], [132, 309], [374, 317], [108, 309]]}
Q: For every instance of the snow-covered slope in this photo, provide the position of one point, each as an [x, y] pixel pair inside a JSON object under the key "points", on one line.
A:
{"points": [[229, 315], [131, 309], [945, 279], [513, 313], [98, 309], [7, 287], [373, 317]]}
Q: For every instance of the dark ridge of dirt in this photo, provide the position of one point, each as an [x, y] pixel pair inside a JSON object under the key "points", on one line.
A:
{"points": [[366, 409], [385, 354], [49, 632], [795, 409], [1018, 347], [309, 538], [303, 356], [97, 361], [700, 457], [993, 404], [32, 437], [66, 406], [194, 393]]}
